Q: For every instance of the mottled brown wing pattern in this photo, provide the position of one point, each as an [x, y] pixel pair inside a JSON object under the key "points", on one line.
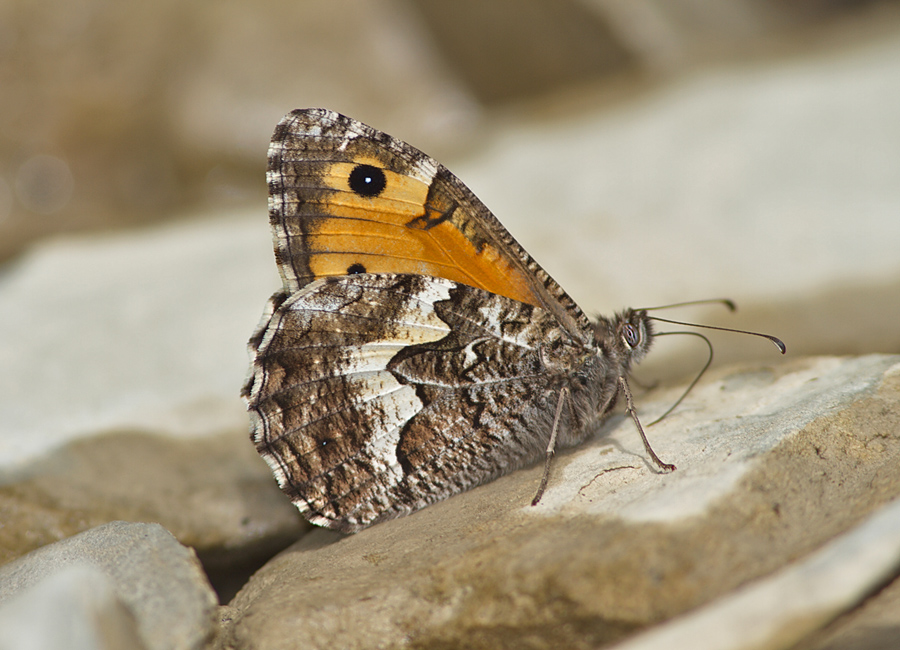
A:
{"points": [[375, 395], [347, 198], [416, 350]]}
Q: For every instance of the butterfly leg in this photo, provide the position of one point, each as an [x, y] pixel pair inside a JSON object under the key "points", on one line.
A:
{"points": [[629, 404], [551, 447]]}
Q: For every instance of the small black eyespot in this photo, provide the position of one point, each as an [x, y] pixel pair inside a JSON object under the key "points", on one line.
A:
{"points": [[630, 334], [353, 269], [367, 180]]}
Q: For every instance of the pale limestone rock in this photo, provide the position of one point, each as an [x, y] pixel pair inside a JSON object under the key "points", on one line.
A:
{"points": [[773, 462], [157, 579], [781, 609], [76, 608], [120, 390]]}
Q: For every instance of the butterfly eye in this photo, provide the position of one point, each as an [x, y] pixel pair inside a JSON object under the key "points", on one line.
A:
{"points": [[630, 334], [367, 180]]}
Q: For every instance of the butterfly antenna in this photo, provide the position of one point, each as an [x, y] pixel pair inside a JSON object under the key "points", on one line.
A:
{"points": [[708, 301], [731, 306], [777, 341], [696, 379]]}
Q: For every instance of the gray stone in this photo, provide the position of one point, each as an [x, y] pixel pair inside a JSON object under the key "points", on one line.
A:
{"points": [[782, 609], [130, 332], [75, 608], [120, 391], [772, 463], [874, 625], [157, 579], [215, 495]]}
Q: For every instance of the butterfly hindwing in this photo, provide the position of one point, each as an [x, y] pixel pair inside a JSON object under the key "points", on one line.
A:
{"points": [[374, 395]]}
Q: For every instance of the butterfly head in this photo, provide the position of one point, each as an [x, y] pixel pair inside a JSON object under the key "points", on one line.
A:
{"points": [[626, 337]]}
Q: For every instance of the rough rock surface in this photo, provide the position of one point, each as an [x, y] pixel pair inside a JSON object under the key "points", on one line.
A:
{"points": [[156, 579], [773, 463], [779, 610]]}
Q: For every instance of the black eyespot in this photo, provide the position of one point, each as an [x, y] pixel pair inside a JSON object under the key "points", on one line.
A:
{"points": [[367, 180], [353, 269], [630, 334]]}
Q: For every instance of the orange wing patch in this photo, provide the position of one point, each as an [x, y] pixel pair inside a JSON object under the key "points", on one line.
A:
{"points": [[345, 198], [380, 221]]}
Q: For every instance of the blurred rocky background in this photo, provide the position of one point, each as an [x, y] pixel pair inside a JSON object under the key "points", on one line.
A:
{"points": [[116, 114], [644, 151]]}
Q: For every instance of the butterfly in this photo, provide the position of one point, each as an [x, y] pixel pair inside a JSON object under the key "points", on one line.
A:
{"points": [[415, 349]]}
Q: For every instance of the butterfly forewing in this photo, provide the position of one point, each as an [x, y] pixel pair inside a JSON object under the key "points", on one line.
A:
{"points": [[346, 198]]}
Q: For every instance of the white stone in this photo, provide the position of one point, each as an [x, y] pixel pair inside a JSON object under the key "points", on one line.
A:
{"points": [[714, 437], [76, 609], [747, 181], [157, 579], [779, 610], [140, 331]]}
